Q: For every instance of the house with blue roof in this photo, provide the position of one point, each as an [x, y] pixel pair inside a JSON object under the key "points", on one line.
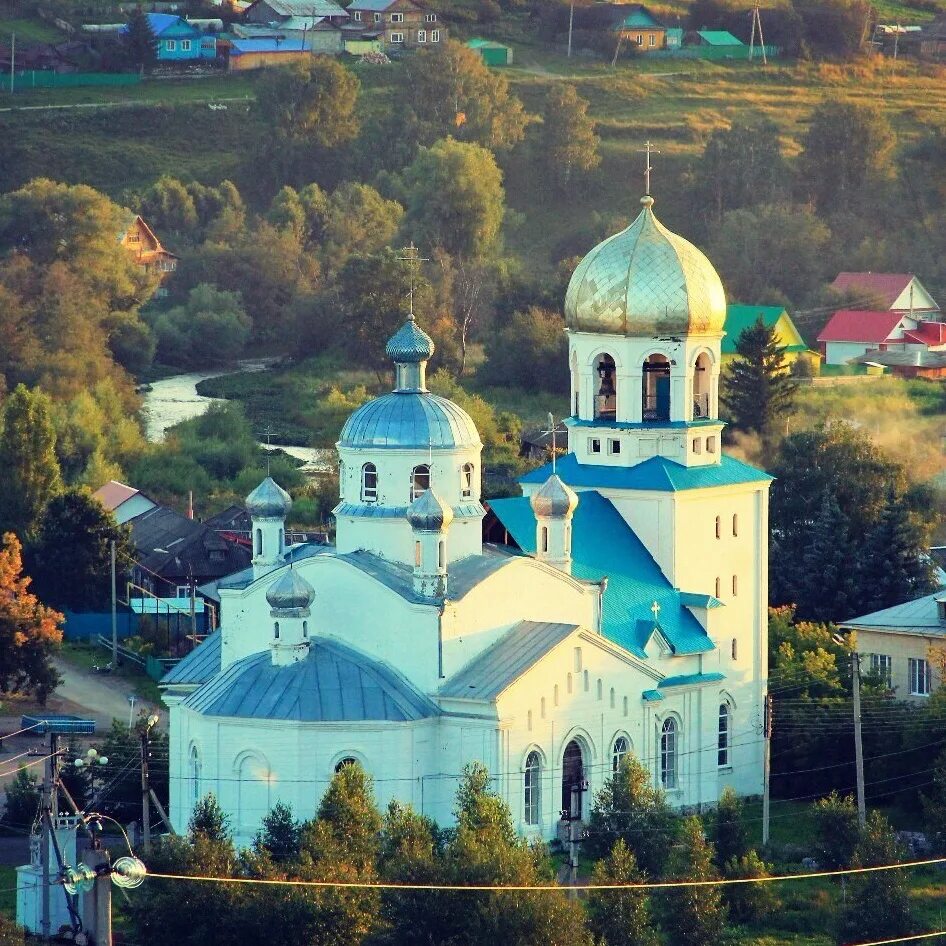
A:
{"points": [[178, 40], [616, 608]]}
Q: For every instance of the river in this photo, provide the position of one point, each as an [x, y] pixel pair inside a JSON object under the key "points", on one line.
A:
{"points": [[175, 399]]}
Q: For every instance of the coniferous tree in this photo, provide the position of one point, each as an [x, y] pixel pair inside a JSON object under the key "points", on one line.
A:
{"points": [[759, 389], [877, 904], [209, 820], [141, 45], [281, 835], [837, 833], [28, 460], [621, 917], [693, 916], [629, 808], [893, 566], [826, 586], [22, 800], [748, 903], [934, 807]]}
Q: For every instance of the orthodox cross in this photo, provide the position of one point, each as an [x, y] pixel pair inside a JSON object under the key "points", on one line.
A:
{"points": [[655, 608], [648, 149], [412, 260], [269, 446], [552, 432]]}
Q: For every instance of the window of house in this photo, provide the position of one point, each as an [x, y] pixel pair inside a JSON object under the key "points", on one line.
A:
{"points": [[305, 630], [882, 665], [697, 445], [735, 585], [718, 588], [344, 763], [435, 36], [734, 650], [640, 39], [420, 480], [594, 445], [422, 36], [377, 18], [545, 539], [282, 541], [668, 754], [620, 749], [710, 444], [719, 530], [170, 45], [614, 447], [397, 17], [919, 677], [397, 37], [276, 630], [185, 45], [182, 591], [208, 44], [625, 706], [532, 788], [577, 659], [653, 40], [441, 554], [941, 609], [134, 237], [722, 753], [568, 682], [466, 476], [259, 541], [613, 700], [195, 773], [369, 483], [430, 18], [600, 689], [357, 16]]}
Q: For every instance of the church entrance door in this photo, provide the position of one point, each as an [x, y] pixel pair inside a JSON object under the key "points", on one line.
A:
{"points": [[573, 781]]}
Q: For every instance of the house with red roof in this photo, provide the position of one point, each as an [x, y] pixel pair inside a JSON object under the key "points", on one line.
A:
{"points": [[123, 502], [901, 292]]}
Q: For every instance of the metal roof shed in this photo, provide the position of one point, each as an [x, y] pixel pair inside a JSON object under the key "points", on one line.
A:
{"points": [[493, 53]]}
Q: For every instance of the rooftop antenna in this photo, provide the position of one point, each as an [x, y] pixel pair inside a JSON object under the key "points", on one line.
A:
{"points": [[648, 149], [412, 260]]}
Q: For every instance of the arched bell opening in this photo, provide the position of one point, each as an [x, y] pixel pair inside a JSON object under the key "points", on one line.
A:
{"points": [[655, 404], [606, 400], [702, 385]]}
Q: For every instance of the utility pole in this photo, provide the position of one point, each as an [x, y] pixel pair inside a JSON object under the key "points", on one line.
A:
{"points": [[114, 615], [896, 42], [193, 604], [858, 744], [767, 766], [571, 19], [145, 792], [757, 28], [12, 60], [573, 822], [50, 804]]}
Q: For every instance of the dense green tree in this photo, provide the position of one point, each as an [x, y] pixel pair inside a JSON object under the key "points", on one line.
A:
{"points": [[845, 154], [22, 800], [208, 820], [834, 27], [759, 390], [629, 808], [749, 903], [934, 806], [122, 748], [169, 207], [31, 474], [131, 342], [28, 630], [139, 43], [210, 328], [620, 917], [455, 198], [877, 905], [357, 219], [741, 166], [837, 833], [71, 558], [567, 140], [308, 110], [729, 828], [772, 254], [21, 353], [824, 588], [528, 351], [693, 916], [281, 835], [453, 92], [286, 211]]}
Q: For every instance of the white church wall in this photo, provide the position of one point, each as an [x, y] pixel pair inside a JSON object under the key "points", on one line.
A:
{"points": [[393, 539]]}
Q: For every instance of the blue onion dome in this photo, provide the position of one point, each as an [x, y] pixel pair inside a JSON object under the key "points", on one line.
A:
{"points": [[429, 513], [554, 500], [410, 419], [291, 592], [645, 281], [268, 501], [410, 344]]}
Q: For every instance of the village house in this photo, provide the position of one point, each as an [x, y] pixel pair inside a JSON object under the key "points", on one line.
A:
{"points": [[123, 502], [639, 27], [398, 23], [140, 240], [295, 16], [899, 292], [178, 39], [933, 40], [904, 645], [740, 317]]}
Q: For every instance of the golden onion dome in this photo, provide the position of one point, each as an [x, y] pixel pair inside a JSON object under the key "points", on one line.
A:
{"points": [[646, 281]]}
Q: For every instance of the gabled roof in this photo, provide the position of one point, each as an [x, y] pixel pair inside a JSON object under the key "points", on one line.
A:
{"points": [[657, 473], [113, 494], [160, 22], [635, 16], [303, 8], [927, 333], [199, 666], [373, 6], [719, 38], [920, 616], [886, 286], [860, 325], [740, 317], [492, 671], [604, 545], [239, 47]]}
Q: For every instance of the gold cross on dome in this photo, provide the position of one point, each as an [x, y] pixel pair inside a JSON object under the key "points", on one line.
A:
{"points": [[412, 259], [648, 149]]}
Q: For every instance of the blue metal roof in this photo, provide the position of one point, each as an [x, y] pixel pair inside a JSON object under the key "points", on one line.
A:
{"points": [[652, 696], [161, 21], [410, 419], [492, 671], [199, 666], [409, 344], [657, 473], [268, 45], [693, 600], [334, 683], [603, 544], [644, 425], [691, 679], [375, 511]]}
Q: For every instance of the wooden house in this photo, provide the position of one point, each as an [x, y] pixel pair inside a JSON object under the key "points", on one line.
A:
{"points": [[398, 23], [139, 239]]}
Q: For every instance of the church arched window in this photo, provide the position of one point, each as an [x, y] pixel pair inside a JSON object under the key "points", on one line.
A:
{"points": [[466, 481], [532, 789], [348, 760], [725, 731], [282, 541], [620, 749], [668, 754], [305, 629], [606, 400], [369, 483], [420, 480], [259, 541], [655, 403], [195, 773], [545, 539], [276, 630], [702, 378]]}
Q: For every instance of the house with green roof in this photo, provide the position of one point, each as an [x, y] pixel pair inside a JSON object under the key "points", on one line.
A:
{"points": [[739, 317], [638, 26]]}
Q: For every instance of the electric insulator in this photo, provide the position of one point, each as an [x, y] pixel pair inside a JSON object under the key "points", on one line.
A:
{"points": [[79, 879], [128, 872]]}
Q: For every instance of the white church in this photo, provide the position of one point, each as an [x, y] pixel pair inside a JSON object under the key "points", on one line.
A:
{"points": [[620, 608]]}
